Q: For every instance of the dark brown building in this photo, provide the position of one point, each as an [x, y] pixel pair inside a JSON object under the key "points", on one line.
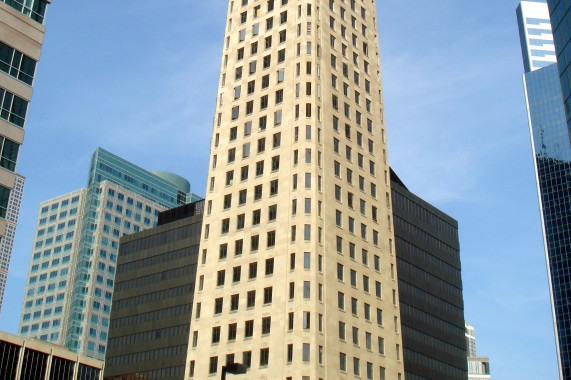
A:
{"points": [[152, 300], [430, 288]]}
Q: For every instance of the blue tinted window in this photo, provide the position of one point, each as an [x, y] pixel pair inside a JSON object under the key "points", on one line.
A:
{"points": [[537, 21], [542, 53]]}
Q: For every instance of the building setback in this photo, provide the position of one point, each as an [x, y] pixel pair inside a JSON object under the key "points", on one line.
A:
{"points": [[478, 367], [74, 257], [298, 229], [152, 301], [21, 39], [430, 287], [25, 359], [549, 130]]}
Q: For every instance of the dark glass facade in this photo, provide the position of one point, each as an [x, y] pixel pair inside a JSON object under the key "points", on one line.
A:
{"points": [[561, 26], [548, 104], [430, 288], [34, 365], [9, 354], [152, 299], [61, 369]]}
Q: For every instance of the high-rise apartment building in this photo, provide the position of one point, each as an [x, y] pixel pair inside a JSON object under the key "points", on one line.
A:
{"points": [[21, 39], [430, 288], [470, 340], [297, 234], [551, 148], [478, 366], [74, 257], [152, 300]]}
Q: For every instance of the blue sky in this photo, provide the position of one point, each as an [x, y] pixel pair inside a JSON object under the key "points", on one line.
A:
{"points": [[141, 82]]}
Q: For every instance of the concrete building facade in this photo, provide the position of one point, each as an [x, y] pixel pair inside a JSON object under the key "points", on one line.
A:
{"points": [[470, 341], [72, 269], [479, 368], [57, 237], [24, 359], [152, 302], [298, 230], [21, 38], [7, 242]]}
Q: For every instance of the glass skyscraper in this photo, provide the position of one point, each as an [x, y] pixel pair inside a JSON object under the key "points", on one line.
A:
{"points": [[560, 19], [72, 269], [552, 154]]}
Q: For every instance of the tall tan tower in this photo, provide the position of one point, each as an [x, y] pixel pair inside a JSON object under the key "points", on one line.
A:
{"points": [[297, 275]]}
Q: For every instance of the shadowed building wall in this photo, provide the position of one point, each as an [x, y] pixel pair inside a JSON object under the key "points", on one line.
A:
{"points": [[430, 286], [152, 300]]}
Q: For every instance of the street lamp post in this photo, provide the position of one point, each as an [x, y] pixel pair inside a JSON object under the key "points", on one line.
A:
{"points": [[233, 369]]}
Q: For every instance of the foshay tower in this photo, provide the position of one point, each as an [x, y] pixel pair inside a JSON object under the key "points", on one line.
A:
{"points": [[297, 275]]}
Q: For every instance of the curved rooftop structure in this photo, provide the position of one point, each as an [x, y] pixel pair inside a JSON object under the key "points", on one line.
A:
{"points": [[177, 180]]}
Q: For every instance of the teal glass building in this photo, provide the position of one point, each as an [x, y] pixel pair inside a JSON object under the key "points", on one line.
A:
{"points": [[168, 193], [72, 271], [549, 129]]}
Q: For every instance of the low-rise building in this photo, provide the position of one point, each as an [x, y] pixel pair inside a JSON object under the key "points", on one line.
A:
{"points": [[24, 359]]}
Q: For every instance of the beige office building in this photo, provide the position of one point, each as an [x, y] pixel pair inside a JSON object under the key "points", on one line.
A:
{"points": [[21, 39], [297, 275]]}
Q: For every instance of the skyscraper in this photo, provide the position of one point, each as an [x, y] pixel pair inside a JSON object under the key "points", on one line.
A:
{"points": [[298, 228], [560, 22], [21, 39], [72, 268], [430, 285], [552, 154], [7, 242], [535, 35]]}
